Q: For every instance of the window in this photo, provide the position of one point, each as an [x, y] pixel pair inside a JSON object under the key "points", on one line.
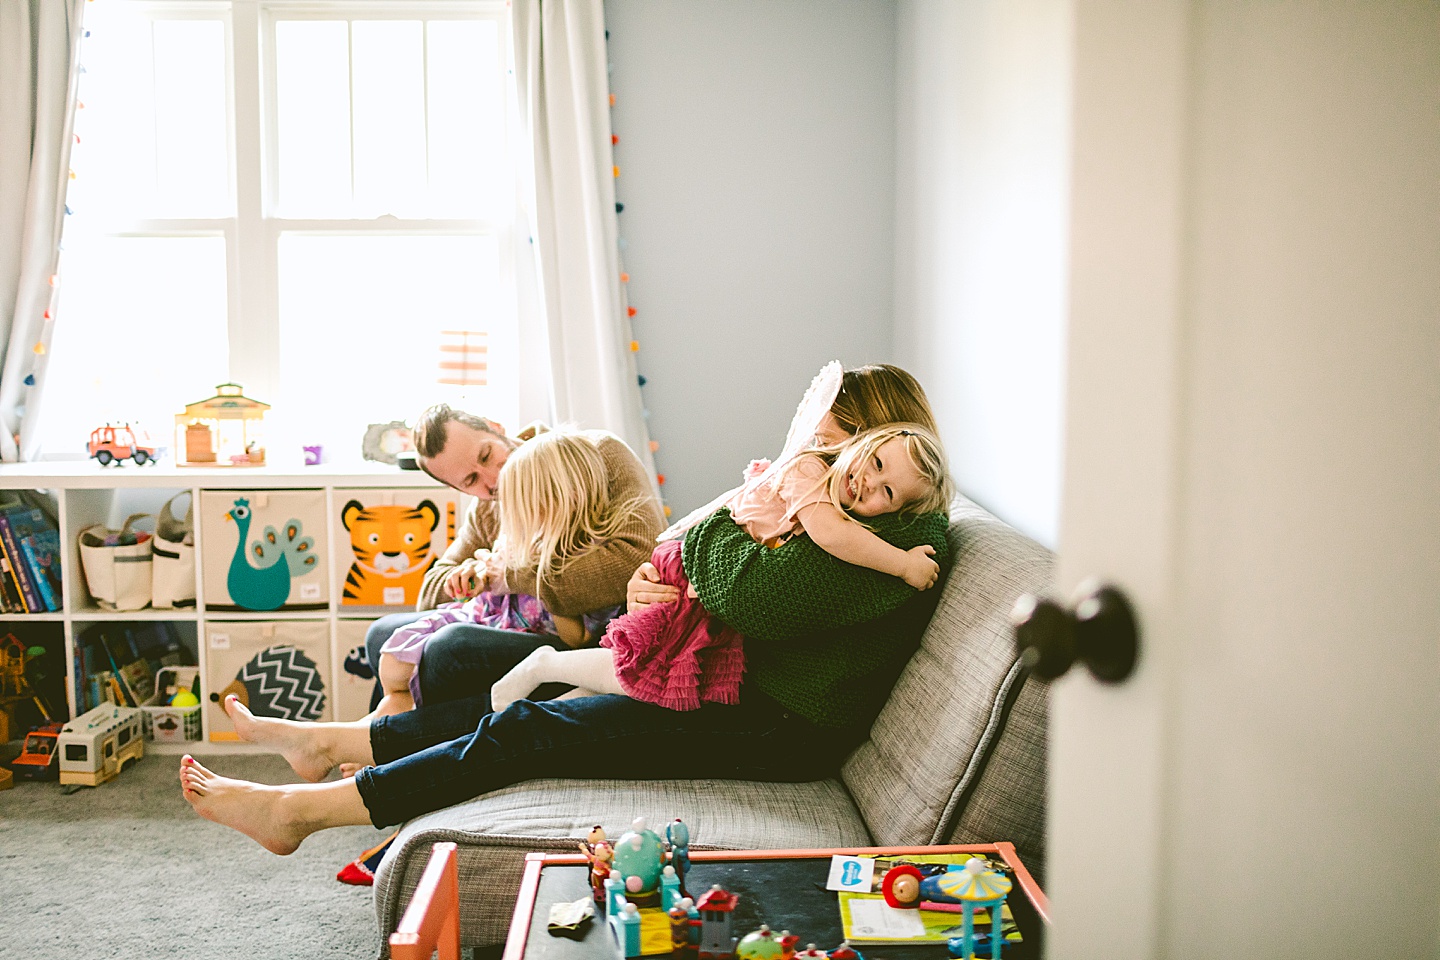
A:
{"points": [[308, 198]]}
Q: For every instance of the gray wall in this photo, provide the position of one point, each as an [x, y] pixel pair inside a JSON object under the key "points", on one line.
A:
{"points": [[981, 228], [757, 171]]}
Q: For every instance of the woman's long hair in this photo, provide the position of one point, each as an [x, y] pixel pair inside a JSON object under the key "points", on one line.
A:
{"points": [[555, 505]]}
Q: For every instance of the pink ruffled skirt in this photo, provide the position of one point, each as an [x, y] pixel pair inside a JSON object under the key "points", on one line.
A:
{"points": [[675, 654]]}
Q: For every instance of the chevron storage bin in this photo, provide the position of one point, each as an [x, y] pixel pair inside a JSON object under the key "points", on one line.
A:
{"points": [[278, 668], [264, 550], [354, 675], [393, 538]]}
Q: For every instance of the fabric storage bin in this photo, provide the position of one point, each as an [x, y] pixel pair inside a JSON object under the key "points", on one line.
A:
{"points": [[166, 724], [394, 537], [173, 549], [117, 573], [278, 668], [264, 549], [354, 674]]}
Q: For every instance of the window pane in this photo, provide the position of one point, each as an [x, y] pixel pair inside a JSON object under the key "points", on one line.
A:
{"points": [[374, 309], [312, 61], [155, 129], [140, 338], [191, 119], [389, 117], [469, 163]]}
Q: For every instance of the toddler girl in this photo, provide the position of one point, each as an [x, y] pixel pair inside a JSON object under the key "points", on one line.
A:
{"points": [[675, 654], [554, 507]]}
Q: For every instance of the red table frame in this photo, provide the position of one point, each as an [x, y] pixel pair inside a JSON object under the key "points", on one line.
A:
{"points": [[535, 862]]}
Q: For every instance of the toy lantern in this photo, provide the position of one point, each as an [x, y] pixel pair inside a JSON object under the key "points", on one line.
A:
{"points": [[976, 887], [225, 430]]}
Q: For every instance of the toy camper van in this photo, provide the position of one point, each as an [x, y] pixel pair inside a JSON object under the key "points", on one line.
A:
{"points": [[96, 746]]}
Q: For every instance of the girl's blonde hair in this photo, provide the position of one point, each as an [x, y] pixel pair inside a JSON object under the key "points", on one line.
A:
{"points": [[922, 446], [877, 394], [554, 500]]}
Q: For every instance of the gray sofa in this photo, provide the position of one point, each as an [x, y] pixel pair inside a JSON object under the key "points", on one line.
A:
{"points": [[957, 755]]}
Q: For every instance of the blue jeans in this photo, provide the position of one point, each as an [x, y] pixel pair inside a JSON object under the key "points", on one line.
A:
{"points": [[449, 752], [461, 660]]}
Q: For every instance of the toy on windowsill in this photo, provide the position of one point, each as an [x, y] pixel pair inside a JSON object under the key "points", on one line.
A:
{"points": [[110, 444], [224, 430]]}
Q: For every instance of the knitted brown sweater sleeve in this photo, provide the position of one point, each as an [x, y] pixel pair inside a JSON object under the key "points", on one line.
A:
{"points": [[478, 532], [597, 579]]}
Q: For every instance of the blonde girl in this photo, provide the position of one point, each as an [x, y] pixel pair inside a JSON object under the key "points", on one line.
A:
{"points": [[554, 507], [675, 654]]}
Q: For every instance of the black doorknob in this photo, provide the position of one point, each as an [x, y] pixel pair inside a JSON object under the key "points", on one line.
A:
{"points": [[1100, 631]]}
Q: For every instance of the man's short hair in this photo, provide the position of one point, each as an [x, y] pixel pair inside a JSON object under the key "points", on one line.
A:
{"points": [[430, 428]]}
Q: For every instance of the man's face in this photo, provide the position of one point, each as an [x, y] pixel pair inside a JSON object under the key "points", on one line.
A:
{"points": [[470, 460]]}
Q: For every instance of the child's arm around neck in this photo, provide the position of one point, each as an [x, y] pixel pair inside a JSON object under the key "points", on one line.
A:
{"points": [[850, 541]]}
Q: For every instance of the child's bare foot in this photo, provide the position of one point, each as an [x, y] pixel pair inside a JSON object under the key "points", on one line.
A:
{"points": [[350, 769], [522, 679], [258, 811], [297, 742]]}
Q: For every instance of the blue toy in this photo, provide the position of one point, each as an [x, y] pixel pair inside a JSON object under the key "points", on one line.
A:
{"points": [[639, 857], [679, 837]]}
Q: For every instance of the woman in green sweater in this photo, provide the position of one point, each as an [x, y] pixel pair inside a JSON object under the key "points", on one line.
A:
{"points": [[832, 638]]}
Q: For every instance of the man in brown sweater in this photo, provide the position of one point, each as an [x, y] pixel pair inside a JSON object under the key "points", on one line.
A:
{"points": [[466, 452]]}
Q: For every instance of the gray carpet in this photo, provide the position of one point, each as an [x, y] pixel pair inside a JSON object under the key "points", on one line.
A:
{"points": [[128, 870]]}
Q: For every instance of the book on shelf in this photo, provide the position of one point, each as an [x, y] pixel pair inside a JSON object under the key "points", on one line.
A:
{"points": [[10, 599], [18, 567], [39, 544]]}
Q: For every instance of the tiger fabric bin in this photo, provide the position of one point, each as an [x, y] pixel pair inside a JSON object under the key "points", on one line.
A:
{"points": [[264, 549], [395, 536], [278, 668]]}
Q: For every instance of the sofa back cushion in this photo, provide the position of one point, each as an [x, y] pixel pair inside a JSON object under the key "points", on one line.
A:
{"points": [[918, 778]]}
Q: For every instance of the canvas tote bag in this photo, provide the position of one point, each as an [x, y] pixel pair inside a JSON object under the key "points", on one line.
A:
{"points": [[173, 548], [117, 564]]}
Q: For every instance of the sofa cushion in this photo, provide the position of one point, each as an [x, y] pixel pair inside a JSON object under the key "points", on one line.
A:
{"points": [[495, 831], [917, 773]]}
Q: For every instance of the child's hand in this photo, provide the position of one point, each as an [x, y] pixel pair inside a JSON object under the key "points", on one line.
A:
{"points": [[494, 574], [921, 572], [466, 580]]}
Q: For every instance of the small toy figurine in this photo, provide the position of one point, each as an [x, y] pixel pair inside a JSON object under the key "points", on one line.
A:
{"points": [[679, 837], [600, 855], [717, 917], [845, 952], [811, 952], [639, 857]]}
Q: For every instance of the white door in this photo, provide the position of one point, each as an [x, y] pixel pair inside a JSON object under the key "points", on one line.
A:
{"points": [[1253, 454]]}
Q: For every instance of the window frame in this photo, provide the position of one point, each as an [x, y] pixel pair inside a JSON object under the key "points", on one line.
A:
{"points": [[253, 231]]}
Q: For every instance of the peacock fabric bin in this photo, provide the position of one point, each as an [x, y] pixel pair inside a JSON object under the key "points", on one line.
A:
{"points": [[264, 550], [395, 536], [278, 668]]}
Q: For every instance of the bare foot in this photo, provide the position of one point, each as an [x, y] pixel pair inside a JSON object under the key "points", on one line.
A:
{"points": [[258, 811], [350, 769], [522, 679], [297, 742]]}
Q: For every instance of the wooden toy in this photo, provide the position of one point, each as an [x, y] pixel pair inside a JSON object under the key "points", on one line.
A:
{"points": [[223, 430], [110, 444], [717, 916], [96, 746], [14, 685], [39, 760], [684, 929]]}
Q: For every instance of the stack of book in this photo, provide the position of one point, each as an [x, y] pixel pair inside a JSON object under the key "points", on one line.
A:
{"points": [[29, 557]]}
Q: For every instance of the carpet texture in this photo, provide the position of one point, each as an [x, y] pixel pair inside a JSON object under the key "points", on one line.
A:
{"points": [[129, 870]]}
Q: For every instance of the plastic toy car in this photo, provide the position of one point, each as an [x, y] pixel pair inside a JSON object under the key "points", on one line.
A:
{"points": [[40, 760], [109, 444]]}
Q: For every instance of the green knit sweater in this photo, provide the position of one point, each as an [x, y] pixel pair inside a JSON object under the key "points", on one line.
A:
{"points": [[825, 638]]}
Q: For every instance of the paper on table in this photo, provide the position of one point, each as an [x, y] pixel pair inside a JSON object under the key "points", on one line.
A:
{"points": [[876, 919], [850, 873]]}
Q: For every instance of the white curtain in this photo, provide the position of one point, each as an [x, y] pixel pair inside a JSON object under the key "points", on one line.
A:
{"points": [[39, 48], [568, 196]]}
